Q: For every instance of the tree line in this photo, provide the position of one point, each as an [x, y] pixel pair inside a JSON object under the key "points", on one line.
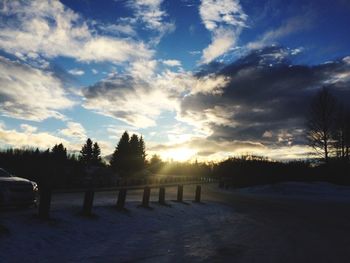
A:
{"points": [[327, 132]]}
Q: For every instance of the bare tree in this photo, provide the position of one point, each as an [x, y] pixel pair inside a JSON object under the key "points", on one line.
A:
{"points": [[340, 133], [343, 134], [321, 122]]}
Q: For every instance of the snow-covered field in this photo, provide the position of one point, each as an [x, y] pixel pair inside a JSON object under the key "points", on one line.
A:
{"points": [[316, 191], [238, 225], [182, 231]]}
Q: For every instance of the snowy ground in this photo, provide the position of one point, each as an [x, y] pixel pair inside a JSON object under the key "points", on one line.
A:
{"points": [[247, 225], [182, 231], [316, 191]]}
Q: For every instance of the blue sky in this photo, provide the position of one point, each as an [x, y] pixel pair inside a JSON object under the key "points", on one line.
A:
{"points": [[198, 79]]}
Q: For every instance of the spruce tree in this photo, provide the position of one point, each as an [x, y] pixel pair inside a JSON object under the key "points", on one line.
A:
{"points": [[59, 152], [121, 156], [141, 153], [134, 150], [86, 152], [96, 154]]}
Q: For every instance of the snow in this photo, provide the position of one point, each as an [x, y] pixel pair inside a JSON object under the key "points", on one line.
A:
{"points": [[161, 233], [240, 227], [317, 191]]}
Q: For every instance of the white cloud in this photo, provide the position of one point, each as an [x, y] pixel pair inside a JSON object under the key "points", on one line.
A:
{"points": [[195, 52], [290, 26], [28, 128], [152, 16], [141, 96], [51, 29], [29, 93], [209, 84], [225, 20], [142, 69], [76, 72], [172, 63], [203, 149], [94, 71], [29, 138], [150, 12], [222, 41], [215, 13], [347, 60], [74, 130], [135, 101], [118, 29]]}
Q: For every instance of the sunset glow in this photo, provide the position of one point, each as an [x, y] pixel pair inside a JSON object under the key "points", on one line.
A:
{"points": [[197, 79]]}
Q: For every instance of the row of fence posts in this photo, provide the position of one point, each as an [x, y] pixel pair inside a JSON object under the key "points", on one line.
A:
{"points": [[45, 199]]}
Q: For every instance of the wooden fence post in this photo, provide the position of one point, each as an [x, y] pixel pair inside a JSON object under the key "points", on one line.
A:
{"points": [[121, 199], [146, 196], [45, 202], [180, 189], [162, 195], [198, 194], [88, 202]]}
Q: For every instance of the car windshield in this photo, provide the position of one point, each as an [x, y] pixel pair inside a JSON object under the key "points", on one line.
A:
{"points": [[3, 173]]}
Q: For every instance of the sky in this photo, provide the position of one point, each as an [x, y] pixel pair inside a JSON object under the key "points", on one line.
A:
{"points": [[199, 80]]}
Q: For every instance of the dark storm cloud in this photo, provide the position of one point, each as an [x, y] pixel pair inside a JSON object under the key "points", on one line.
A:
{"points": [[267, 96]]}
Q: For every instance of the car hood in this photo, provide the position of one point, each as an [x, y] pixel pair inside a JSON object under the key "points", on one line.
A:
{"points": [[14, 180]]}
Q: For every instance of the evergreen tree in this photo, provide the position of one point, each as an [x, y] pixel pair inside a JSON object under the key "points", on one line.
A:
{"points": [[59, 152], [121, 157], [134, 149], [58, 165], [155, 163], [141, 153], [96, 154], [86, 152], [129, 156]]}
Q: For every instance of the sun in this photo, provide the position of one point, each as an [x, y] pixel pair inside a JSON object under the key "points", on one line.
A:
{"points": [[179, 154]]}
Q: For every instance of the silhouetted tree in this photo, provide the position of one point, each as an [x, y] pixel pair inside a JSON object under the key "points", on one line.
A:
{"points": [[120, 158], [129, 155], [155, 163], [321, 122], [133, 153], [347, 136], [141, 153], [340, 133], [86, 153], [59, 152], [96, 154]]}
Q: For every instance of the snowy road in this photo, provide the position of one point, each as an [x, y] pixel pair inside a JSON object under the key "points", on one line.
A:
{"points": [[227, 227]]}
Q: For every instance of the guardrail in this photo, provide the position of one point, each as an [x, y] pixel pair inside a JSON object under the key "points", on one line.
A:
{"points": [[89, 192]]}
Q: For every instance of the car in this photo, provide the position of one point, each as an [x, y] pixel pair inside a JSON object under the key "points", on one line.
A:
{"points": [[17, 191]]}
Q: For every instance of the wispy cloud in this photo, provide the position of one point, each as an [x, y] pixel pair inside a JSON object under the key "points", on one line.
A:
{"points": [[30, 93], [172, 63], [76, 72], [290, 26], [49, 28], [225, 20], [29, 137], [130, 99], [74, 130], [152, 17]]}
